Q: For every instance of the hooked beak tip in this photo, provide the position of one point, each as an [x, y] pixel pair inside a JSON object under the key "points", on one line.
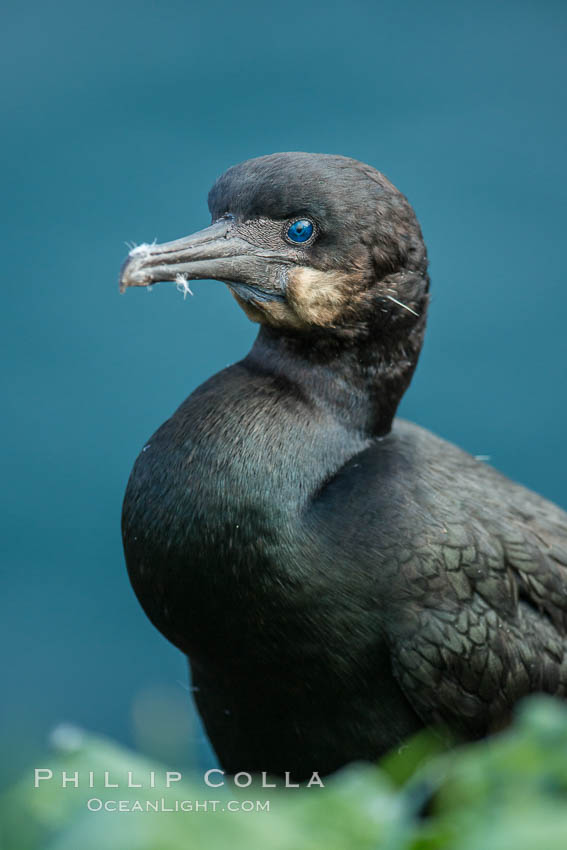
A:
{"points": [[132, 271], [127, 275]]}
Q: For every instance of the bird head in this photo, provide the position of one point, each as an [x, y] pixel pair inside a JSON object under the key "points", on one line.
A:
{"points": [[309, 243]]}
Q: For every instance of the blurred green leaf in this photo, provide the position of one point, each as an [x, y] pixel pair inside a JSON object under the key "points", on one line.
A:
{"points": [[505, 793]]}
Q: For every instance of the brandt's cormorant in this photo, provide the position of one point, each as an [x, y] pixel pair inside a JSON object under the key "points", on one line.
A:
{"points": [[337, 578]]}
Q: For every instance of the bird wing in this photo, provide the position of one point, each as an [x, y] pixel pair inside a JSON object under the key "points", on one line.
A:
{"points": [[480, 614]]}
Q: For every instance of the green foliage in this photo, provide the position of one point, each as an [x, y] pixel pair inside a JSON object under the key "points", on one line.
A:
{"points": [[506, 793]]}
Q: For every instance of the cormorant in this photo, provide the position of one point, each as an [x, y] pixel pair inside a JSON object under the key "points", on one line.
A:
{"points": [[338, 578]]}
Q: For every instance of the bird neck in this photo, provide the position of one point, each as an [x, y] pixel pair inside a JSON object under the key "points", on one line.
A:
{"points": [[360, 382]]}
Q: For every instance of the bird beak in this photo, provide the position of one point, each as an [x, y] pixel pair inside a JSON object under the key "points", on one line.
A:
{"points": [[216, 253]]}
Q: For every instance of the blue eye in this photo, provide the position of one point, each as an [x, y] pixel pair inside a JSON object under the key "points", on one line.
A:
{"points": [[300, 231]]}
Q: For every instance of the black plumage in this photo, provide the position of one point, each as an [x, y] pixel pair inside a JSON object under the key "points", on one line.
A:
{"points": [[337, 579]]}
